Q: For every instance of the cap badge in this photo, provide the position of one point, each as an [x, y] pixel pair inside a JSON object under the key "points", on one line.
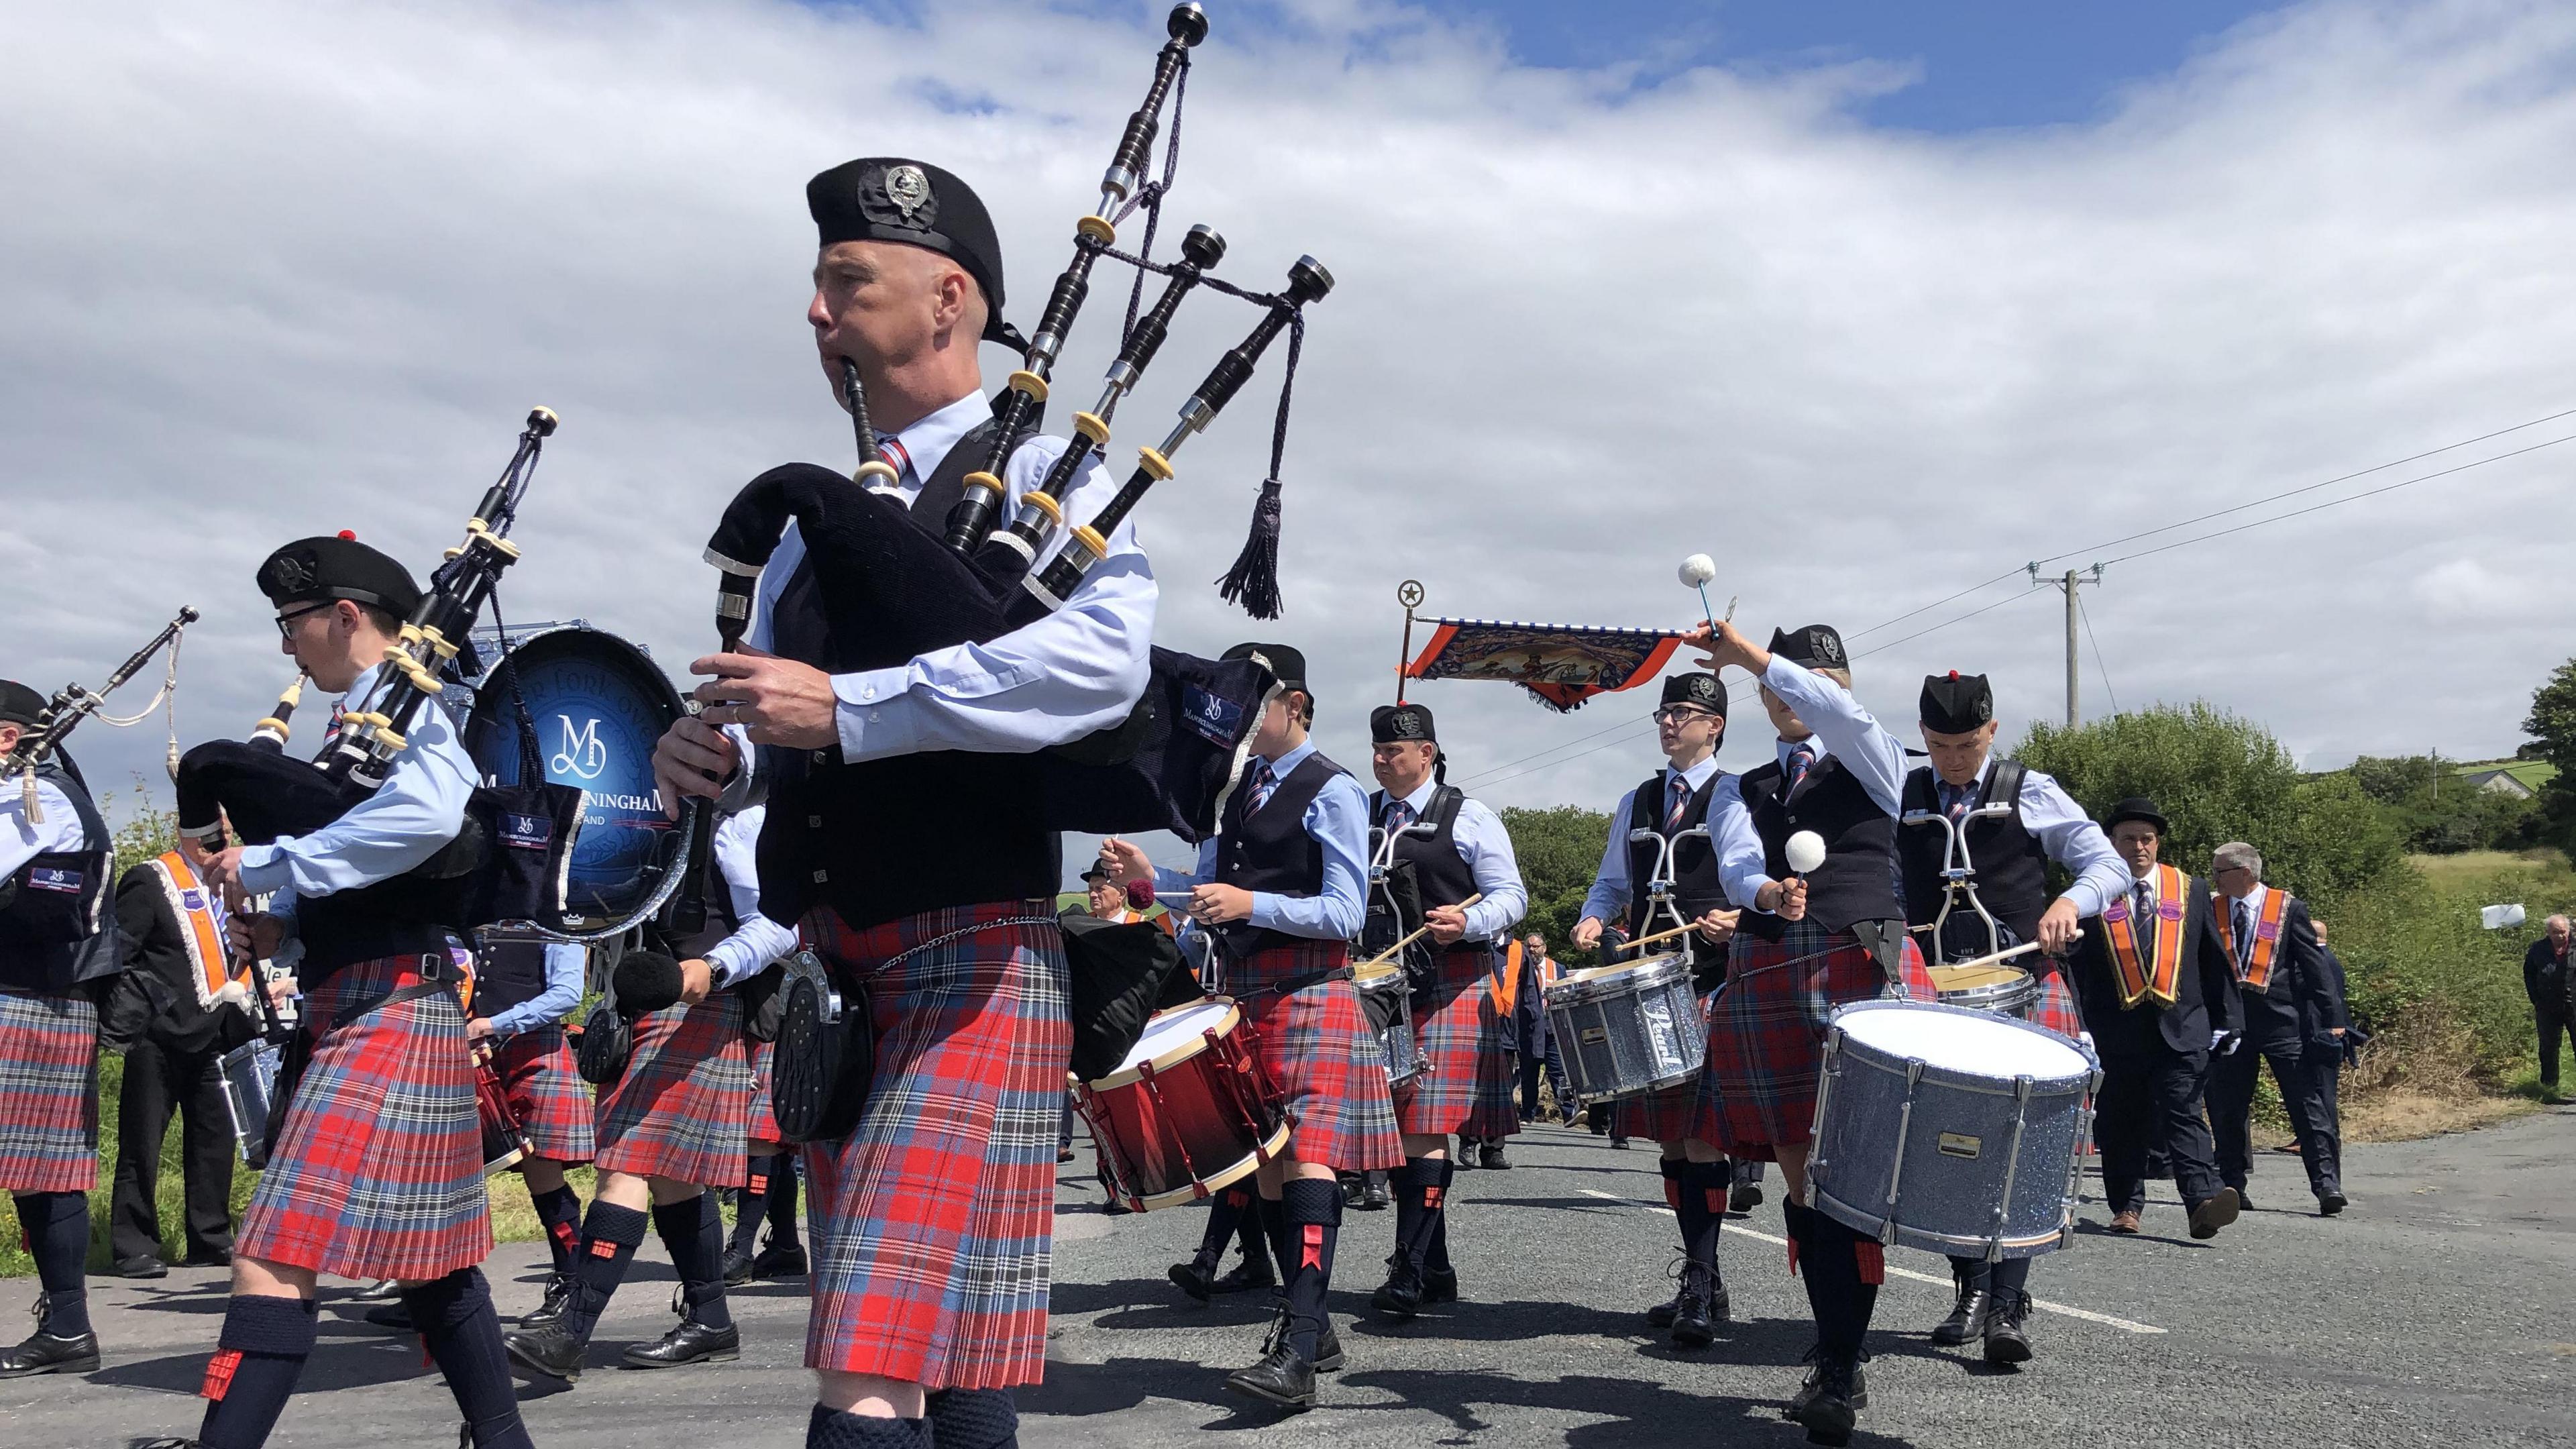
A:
{"points": [[909, 190], [1829, 649], [292, 571]]}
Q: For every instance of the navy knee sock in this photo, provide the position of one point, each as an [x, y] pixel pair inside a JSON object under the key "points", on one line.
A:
{"points": [[1313, 1213], [693, 1233], [1700, 1193], [454, 1318], [2011, 1275], [1422, 1207], [610, 1235], [782, 1198], [1226, 1211], [1842, 1271], [974, 1419], [57, 1230], [829, 1429], [751, 1208], [258, 1356], [1274, 1232], [1970, 1273], [559, 1212]]}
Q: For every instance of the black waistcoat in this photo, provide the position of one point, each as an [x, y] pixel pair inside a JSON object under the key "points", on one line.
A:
{"points": [[884, 839], [55, 926], [1857, 882], [509, 971], [1441, 876], [1696, 887], [2011, 864], [1269, 850]]}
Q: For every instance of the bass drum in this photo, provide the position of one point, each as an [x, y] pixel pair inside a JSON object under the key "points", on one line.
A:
{"points": [[598, 704]]}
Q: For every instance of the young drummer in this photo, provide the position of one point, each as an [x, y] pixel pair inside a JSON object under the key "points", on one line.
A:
{"points": [[670, 1128], [2011, 855], [1697, 1177], [1467, 1089], [378, 1171], [1282, 888], [49, 1040], [1805, 945]]}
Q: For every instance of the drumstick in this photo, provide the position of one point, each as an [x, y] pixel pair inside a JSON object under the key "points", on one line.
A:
{"points": [[2006, 954], [1731, 918], [1391, 952]]}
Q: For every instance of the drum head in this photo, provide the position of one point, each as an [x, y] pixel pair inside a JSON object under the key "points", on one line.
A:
{"points": [[1376, 975], [1179, 1027], [599, 706], [1947, 979], [1969, 1043]]}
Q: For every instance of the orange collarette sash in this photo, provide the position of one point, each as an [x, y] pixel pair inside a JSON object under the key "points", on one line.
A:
{"points": [[2137, 983], [209, 962], [2267, 938]]}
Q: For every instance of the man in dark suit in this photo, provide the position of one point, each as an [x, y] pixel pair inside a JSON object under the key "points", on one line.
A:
{"points": [[2549, 979], [2278, 974], [2325, 1029], [174, 932], [2157, 997]]}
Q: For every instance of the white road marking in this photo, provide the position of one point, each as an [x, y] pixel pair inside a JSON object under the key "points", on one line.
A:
{"points": [[2042, 1304]]}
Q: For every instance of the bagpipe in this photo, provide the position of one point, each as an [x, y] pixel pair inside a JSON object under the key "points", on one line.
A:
{"points": [[509, 861]]}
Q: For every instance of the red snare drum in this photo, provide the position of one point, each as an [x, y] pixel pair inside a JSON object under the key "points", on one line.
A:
{"points": [[503, 1141], [1188, 1113]]}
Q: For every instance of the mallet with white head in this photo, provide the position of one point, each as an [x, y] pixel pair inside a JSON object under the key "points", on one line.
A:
{"points": [[1696, 571], [1806, 851]]}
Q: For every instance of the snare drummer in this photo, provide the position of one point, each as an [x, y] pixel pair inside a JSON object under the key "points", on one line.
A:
{"points": [[672, 1127], [2010, 854], [1698, 1179], [1458, 849], [1805, 945], [1281, 886]]}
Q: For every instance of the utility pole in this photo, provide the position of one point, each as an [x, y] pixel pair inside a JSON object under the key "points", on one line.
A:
{"points": [[2073, 580]]}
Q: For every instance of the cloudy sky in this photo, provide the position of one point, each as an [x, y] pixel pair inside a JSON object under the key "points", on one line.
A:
{"points": [[1871, 308]]}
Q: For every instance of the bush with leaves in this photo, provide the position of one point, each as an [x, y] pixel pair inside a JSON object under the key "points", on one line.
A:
{"points": [[1559, 850]]}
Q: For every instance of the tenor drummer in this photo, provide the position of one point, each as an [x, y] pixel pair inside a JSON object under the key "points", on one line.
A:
{"points": [[1282, 887], [377, 1172], [930, 1224], [1698, 1179], [1459, 853], [1806, 944], [2010, 854], [2159, 996], [49, 1041], [670, 1129]]}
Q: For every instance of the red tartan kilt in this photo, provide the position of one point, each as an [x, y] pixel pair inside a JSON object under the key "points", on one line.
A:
{"points": [[678, 1111], [760, 1120], [48, 1092], [1316, 1046], [1666, 1116], [378, 1172], [545, 1090], [1467, 1088], [2056, 1008], [1766, 1031], [933, 1220]]}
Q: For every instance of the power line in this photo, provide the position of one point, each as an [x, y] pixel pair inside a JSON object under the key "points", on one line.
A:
{"points": [[2308, 488], [2336, 502], [2098, 663]]}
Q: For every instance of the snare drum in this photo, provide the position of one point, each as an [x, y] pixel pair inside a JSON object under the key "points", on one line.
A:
{"points": [[504, 1143], [2003, 989], [250, 1080], [1956, 1131], [1386, 994], [1188, 1113], [1629, 1030]]}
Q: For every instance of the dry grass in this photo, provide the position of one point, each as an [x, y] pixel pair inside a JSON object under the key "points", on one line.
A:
{"points": [[2420, 1079], [2542, 869]]}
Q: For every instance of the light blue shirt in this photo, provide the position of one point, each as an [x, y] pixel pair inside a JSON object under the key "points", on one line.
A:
{"points": [[1843, 731], [417, 810], [2063, 830], [1486, 847], [1611, 891], [565, 963], [1338, 820], [758, 941], [1077, 670], [21, 841]]}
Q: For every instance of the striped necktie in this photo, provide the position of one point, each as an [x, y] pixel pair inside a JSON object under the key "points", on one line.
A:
{"points": [[1398, 816], [2142, 921], [1955, 799], [1801, 759], [1677, 793], [2244, 935], [1263, 781], [895, 453]]}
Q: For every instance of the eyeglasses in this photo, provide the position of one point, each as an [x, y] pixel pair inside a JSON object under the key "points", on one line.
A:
{"points": [[286, 622], [1682, 716]]}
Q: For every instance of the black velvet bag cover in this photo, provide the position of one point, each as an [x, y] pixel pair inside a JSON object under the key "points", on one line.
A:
{"points": [[1117, 978]]}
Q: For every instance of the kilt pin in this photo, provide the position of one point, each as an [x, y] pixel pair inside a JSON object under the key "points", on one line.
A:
{"points": [[678, 1111], [1316, 1047], [544, 1087], [1468, 1088], [1766, 1032], [378, 1171], [932, 1223], [48, 1092]]}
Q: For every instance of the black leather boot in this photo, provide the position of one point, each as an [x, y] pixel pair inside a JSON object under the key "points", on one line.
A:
{"points": [[1698, 1308], [1246, 1276], [1830, 1401], [1193, 1279], [49, 1353], [690, 1342], [1281, 1378], [1400, 1296], [550, 1309], [2006, 1342], [1967, 1318], [554, 1351]]}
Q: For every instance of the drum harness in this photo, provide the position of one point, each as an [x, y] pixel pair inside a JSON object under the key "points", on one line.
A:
{"points": [[1958, 873]]}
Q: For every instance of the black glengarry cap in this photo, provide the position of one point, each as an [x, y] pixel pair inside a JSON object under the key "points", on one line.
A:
{"points": [[1955, 703], [895, 199]]}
